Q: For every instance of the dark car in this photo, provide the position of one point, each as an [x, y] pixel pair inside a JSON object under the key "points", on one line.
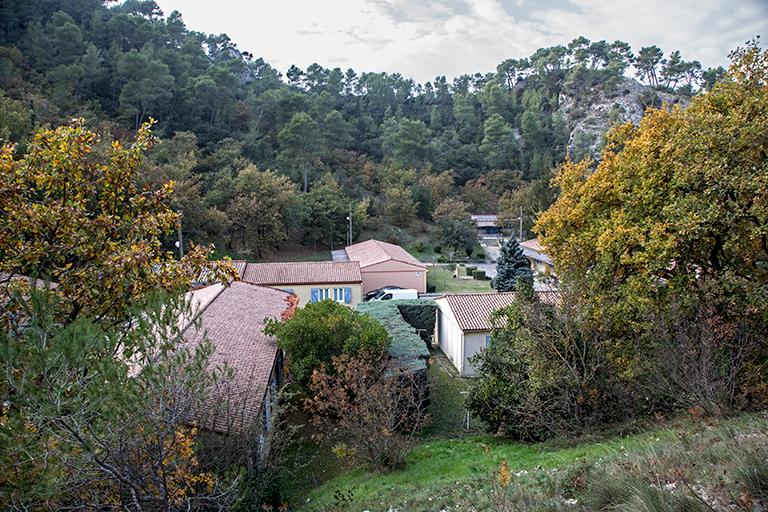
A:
{"points": [[371, 294]]}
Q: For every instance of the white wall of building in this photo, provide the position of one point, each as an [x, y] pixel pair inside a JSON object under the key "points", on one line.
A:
{"points": [[450, 338], [473, 343]]}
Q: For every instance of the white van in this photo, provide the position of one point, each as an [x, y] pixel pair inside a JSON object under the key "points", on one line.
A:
{"points": [[396, 294]]}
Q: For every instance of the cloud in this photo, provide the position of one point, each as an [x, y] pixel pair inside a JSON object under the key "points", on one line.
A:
{"points": [[451, 37]]}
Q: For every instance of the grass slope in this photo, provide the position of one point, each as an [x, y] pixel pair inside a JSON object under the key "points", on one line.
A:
{"points": [[442, 473], [452, 469]]}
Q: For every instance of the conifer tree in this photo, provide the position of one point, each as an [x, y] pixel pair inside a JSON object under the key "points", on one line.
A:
{"points": [[511, 266]]}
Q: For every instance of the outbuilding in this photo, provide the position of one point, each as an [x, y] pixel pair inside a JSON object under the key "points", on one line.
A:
{"points": [[464, 323], [384, 264]]}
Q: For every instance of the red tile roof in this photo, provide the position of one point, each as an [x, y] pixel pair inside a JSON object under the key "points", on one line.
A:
{"points": [[372, 252], [233, 321], [206, 277], [303, 272], [473, 310]]}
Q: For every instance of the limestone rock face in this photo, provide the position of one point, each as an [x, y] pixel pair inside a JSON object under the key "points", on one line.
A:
{"points": [[590, 115]]}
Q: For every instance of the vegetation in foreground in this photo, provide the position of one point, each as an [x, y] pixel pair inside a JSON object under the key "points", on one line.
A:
{"points": [[723, 463]]}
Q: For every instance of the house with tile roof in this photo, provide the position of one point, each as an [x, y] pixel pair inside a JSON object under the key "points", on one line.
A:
{"points": [[540, 262], [232, 319], [310, 281], [487, 225], [464, 324], [384, 264]]}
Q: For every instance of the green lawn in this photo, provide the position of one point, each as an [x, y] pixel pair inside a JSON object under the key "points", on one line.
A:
{"points": [[441, 277], [446, 410]]}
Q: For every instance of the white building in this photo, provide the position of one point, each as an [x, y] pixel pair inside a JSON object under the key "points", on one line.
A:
{"points": [[464, 323]]}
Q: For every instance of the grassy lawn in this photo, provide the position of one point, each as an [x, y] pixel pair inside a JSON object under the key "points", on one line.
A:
{"points": [[447, 408], [441, 277], [446, 474]]}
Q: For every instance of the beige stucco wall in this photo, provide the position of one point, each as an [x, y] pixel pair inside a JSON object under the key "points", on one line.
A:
{"points": [[304, 292], [394, 273]]}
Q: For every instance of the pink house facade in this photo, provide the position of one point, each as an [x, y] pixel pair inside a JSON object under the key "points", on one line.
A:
{"points": [[383, 264]]}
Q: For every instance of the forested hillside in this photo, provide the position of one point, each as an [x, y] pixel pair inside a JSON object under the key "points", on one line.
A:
{"points": [[379, 144]]}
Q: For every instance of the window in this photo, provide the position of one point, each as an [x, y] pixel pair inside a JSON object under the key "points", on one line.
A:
{"points": [[341, 295]]}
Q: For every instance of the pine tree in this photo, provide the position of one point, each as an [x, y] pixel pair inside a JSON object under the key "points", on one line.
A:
{"points": [[511, 266]]}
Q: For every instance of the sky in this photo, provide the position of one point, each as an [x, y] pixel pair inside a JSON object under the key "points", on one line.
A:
{"points": [[421, 39]]}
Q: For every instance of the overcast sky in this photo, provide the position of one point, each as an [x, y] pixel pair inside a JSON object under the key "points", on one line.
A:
{"points": [[421, 39]]}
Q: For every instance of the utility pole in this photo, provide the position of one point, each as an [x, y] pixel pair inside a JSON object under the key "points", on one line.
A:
{"points": [[521, 223], [349, 227], [180, 242]]}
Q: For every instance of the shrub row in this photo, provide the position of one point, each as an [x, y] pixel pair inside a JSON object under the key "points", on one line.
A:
{"points": [[407, 347]]}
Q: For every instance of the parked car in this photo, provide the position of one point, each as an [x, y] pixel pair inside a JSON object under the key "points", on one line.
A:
{"points": [[397, 294], [373, 293]]}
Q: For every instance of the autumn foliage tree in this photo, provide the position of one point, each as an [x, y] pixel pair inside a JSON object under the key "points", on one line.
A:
{"points": [[95, 383], [674, 207], [81, 221]]}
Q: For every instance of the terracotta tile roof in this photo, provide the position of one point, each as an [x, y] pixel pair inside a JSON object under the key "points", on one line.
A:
{"points": [[303, 272], [473, 310], [372, 252], [233, 321], [206, 276], [533, 244], [240, 267]]}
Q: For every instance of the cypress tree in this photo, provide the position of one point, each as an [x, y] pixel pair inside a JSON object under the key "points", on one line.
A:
{"points": [[511, 266]]}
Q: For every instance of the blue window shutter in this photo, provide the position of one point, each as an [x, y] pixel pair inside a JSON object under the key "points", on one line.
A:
{"points": [[347, 295], [487, 341], [315, 294]]}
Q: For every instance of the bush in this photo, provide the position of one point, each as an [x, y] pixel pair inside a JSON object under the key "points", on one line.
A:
{"points": [[321, 330], [702, 360], [438, 249], [479, 275], [369, 408], [545, 373]]}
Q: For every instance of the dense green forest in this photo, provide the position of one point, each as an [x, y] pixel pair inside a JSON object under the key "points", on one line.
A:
{"points": [[259, 157]]}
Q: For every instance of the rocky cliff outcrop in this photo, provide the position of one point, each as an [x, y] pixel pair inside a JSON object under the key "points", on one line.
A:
{"points": [[590, 114]]}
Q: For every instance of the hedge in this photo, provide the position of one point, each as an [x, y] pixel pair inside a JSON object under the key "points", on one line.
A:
{"points": [[401, 319]]}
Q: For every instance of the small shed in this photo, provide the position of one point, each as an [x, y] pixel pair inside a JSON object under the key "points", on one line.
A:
{"points": [[464, 325], [384, 264]]}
